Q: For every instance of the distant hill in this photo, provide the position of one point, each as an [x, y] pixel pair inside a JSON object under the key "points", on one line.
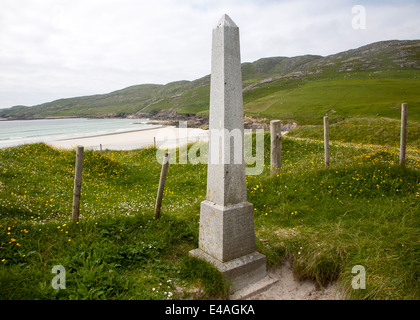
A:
{"points": [[368, 81]]}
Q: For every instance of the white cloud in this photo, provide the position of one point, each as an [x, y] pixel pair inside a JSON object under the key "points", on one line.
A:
{"points": [[52, 49]]}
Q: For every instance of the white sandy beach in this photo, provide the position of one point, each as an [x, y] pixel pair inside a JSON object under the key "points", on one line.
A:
{"points": [[166, 137]]}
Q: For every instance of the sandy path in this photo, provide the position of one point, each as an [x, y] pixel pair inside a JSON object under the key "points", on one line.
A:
{"points": [[288, 288]]}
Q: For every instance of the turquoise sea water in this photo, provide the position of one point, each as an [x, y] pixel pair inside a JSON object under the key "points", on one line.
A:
{"points": [[19, 132]]}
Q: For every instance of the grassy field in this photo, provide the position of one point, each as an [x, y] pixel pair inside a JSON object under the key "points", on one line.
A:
{"points": [[363, 210], [306, 102], [373, 130]]}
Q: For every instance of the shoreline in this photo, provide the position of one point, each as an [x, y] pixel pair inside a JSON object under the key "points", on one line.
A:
{"points": [[111, 134], [163, 136], [162, 117], [130, 139]]}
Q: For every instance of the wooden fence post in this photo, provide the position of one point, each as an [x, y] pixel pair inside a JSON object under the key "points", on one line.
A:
{"points": [[77, 183], [326, 142], [162, 180], [275, 133], [403, 135]]}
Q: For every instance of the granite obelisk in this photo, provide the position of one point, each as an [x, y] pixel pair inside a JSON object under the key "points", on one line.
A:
{"points": [[227, 234]]}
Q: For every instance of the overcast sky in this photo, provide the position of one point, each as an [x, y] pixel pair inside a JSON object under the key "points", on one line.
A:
{"points": [[51, 49]]}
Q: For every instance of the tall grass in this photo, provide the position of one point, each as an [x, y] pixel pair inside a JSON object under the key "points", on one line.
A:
{"points": [[363, 210]]}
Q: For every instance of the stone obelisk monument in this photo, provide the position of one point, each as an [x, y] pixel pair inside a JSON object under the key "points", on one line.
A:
{"points": [[227, 234]]}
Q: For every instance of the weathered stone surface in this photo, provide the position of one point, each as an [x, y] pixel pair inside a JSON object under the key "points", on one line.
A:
{"points": [[227, 234], [275, 133], [240, 272], [226, 183]]}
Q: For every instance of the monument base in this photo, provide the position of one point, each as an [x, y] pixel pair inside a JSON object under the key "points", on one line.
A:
{"points": [[226, 232], [240, 272]]}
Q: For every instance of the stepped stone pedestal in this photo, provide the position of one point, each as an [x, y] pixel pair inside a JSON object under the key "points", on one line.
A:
{"points": [[227, 234]]}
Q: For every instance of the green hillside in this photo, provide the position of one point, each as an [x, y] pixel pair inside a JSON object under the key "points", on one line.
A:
{"points": [[372, 80], [309, 101]]}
